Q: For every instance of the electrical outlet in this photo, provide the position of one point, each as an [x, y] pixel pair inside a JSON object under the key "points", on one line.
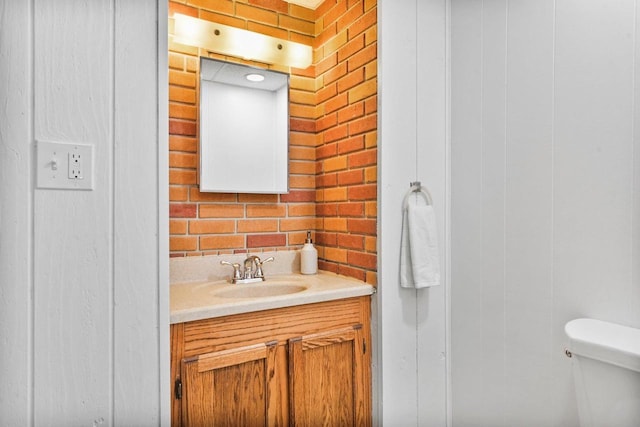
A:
{"points": [[64, 166], [75, 165]]}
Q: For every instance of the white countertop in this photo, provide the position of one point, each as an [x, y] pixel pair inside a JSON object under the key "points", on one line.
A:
{"points": [[201, 300]]}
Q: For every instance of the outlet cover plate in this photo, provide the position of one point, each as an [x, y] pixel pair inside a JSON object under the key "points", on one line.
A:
{"points": [[53, 167]]}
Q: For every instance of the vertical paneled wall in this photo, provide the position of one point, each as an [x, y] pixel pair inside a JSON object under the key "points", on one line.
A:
{"points": [[84, 297], [411, 324], [545, 202]]}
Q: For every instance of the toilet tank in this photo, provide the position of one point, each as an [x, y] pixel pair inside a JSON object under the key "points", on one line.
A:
{"points": [[606, 368]]}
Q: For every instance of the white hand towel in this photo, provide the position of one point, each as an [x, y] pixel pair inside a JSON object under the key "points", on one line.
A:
{"points": [[419, 259]]}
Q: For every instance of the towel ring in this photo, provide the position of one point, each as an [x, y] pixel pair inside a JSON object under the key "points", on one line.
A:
{"points": [[416, 187]]}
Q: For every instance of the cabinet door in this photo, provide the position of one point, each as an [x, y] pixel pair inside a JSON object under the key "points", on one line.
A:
{"points": [[329, 376], [229, 388]]}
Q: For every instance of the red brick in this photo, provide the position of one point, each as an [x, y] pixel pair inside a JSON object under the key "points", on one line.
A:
{"points": [[195, 195], [351, 144], [327, 209], [327, 266], [302, 125], [335, 73], [326, 239], [363, 192], [337, 102], [326, 64], [176, 61], [183, 9], [335, 12], [351, 80], [361, 259], [351, 177], [363, 158], [212, 227], [257, 225], [364, 226], [353, 46], [352, 15], [302, 153], [326, 93], [230, 241], [183, 243], [178, 193], [351, 209], [182, 160], [302, 210], [351, 241], [222, 6], [364, 124], [362, 57], [177, 226], [181, 94], [351, 112], [326, 150], [295, 24], [180, 78], [366, 21], [181, 127], [266, 240], [328, 180], [338, 132], [277, 5], [221, 211], [298, 196], [256, 14], [348, 271], [302, 12], [302, 181], [182, 210], [257, 198], [181, 143], [265, 211], [182, 176], [326, 122]]}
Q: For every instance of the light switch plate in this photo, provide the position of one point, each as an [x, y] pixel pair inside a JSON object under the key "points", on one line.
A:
{"points": [[64, 166]]}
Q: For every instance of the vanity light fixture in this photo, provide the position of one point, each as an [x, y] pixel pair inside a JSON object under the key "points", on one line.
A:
{"points": [[248, 45], [254, 77]]}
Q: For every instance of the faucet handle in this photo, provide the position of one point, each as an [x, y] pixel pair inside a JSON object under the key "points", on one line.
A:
{"points": [[259, 273], [236, 270]]}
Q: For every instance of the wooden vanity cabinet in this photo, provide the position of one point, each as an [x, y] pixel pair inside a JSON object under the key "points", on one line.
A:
{"points": [[301, 366]]}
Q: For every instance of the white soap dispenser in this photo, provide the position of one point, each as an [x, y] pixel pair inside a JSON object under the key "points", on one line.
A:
{"points": [[308, 257]]}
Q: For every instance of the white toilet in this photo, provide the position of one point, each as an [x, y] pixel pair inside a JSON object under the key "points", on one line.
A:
{"points": [[606, 370]]}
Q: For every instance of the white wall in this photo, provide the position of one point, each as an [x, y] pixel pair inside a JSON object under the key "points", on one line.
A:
{"points": [[412, 134], [545, 167], [83, 274]]}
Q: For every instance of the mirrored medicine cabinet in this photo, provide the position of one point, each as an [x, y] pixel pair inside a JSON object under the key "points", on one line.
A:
{"points": [[244, 128]]}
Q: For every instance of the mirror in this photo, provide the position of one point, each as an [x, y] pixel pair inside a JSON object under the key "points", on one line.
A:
{"points": [[244, 129]]}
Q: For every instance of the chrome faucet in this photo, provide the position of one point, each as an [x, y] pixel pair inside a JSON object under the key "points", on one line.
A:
{"points": [[252, 270]]}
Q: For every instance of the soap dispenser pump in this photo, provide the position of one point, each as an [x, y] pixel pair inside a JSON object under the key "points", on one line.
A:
{"points": [[308, 257]]}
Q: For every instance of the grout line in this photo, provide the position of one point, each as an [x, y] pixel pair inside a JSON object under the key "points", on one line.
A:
{"points": [[31, 207], [504, 213], [112, 213]]}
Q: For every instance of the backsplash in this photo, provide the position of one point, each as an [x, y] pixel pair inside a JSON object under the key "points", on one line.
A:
{"points": [[208, 268], [333, 140]]}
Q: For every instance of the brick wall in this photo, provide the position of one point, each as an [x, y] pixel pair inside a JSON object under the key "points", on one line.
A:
{"points": [[332, 148], [346, 69]]}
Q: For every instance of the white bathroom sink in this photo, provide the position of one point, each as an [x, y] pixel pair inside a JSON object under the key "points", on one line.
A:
{"points": [[192, 301], [259, 290]]}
